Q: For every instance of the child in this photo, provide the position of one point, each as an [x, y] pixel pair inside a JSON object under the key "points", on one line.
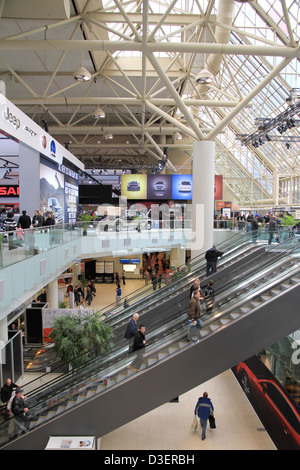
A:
{"points": [[209, 295], [20, 233]]}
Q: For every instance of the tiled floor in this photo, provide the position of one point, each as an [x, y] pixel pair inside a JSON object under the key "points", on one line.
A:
{"points": [[168, 427]]}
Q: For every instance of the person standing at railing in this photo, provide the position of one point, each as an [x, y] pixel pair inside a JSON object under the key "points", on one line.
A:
{"points": [[24, 220], [273, 230], [9, 225], [37, 219], [49, 220], [240, 221]]}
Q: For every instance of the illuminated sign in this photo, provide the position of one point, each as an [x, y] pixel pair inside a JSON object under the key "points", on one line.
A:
{"points": [[9, 191]]}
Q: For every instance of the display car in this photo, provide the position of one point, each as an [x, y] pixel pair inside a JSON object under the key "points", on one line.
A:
{"points": [[274, 406], [185, 186], [159, 186], [133, 186]]}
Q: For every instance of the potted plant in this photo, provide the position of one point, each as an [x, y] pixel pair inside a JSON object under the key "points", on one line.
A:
{"points": [[86, 219], [78, 338]]}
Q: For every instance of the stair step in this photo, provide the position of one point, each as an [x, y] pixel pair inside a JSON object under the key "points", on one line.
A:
{"points": [[266, 297], [151, 361], [203, 332], [235, 315], [275, 291], [224, 321], [245, 309], [256, 303]]}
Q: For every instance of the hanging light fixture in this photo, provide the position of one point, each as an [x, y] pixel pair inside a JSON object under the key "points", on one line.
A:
{"points": [[82, 74], [204, 77], [108, 136], [177, 136], [99, 113]]}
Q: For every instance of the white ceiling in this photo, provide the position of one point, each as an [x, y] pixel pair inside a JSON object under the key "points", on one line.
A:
{"points": [[144, 57]]}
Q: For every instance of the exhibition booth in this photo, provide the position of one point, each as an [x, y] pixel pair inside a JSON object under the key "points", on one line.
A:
{"points": [[36, 171]]}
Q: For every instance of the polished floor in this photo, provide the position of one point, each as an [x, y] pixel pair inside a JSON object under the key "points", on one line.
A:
{"points": [[168, 427]]}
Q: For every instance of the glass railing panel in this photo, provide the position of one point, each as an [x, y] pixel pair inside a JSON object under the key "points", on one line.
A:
{"points": [[18, 246]]}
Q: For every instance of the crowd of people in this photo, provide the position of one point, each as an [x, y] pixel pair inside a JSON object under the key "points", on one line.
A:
{"points": [[24, 222]]}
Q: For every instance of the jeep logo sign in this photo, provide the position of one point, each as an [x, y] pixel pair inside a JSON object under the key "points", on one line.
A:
{"points": [[13, 120]]}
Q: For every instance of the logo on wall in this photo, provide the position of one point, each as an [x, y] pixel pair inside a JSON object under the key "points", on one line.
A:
{"points": [[44, 141], [11, 118], [53, 148]]}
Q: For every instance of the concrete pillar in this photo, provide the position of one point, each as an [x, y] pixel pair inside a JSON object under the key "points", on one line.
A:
{"points": [[52, 294], [3, 331], [203, 196], [177, 257]]}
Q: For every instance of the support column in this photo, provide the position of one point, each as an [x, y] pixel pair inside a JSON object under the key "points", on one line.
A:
{"points": [[177, 257], [52, 294], [203, 196], [3, 331]]}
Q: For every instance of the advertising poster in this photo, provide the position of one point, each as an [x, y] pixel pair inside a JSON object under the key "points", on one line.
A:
{"points": [[159, 186], [49, 315], [52, 193], [71, 199], [218, 187], [275, 407], [134, 186], [182, 187]]}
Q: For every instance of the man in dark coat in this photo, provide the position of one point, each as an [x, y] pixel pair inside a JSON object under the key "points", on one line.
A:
{"points": [[6, 391], [24, 220], [211, 257], [139, 343]]}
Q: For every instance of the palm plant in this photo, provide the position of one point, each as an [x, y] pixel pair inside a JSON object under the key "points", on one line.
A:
{"points": [[78, 338]]}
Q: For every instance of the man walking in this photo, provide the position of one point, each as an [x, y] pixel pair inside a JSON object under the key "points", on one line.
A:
{"points": [[203, 409]]}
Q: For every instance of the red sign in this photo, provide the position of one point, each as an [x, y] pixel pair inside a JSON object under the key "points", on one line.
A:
{"points": [[9, 191]]}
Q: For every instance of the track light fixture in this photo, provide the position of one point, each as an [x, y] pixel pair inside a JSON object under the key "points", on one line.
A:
{"points": [[108, 136], [99, 113], [177, 136], [82, 74], [204, 77]]}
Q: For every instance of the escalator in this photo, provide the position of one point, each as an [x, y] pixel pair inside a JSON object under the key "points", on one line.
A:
{"points": [[39, 359], [250, 313]]}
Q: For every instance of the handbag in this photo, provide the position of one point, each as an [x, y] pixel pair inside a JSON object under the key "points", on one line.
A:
{"points": [[194, 424], [212, 421]]}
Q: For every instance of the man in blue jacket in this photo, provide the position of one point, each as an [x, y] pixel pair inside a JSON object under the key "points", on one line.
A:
{"points": [[203, 409]]}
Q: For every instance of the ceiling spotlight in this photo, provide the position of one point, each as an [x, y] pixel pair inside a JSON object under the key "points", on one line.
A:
{"points": [[177, 136], [82, 74], [204, 77], [98, 113], [108, 136]]}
